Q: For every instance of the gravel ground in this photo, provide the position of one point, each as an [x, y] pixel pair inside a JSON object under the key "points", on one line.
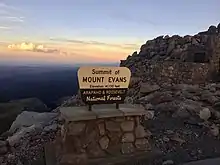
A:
{"points": [[180, 141]]}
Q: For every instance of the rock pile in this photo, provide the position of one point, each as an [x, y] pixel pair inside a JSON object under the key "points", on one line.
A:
{"points": [[25, 140], [176, 48], [181, 100]]}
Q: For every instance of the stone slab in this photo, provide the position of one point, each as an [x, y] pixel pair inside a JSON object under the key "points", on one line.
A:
{"points": [[100, 111], [76, 114], [107, 113], [133, 110]]}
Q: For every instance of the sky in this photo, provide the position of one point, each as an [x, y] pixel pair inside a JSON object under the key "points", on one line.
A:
{"points": [[78, 31]]}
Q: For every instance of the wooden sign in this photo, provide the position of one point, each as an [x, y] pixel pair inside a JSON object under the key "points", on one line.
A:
{"points": [[103, 85]]}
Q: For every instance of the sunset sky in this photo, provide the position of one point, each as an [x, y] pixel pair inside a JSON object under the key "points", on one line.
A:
{"points": [[77, 31]]}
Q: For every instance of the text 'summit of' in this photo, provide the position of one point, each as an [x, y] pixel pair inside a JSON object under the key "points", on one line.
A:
{"points": [[113, 79]]}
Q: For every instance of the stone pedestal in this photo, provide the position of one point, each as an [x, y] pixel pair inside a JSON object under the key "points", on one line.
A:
{"points": [[103, 132]]}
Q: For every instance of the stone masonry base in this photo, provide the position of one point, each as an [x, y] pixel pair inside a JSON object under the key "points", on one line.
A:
{"points": [[108, 134]]}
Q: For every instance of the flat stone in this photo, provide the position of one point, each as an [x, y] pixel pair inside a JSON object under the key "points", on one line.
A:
{"points": [[127, 148], [128, 137], [135, 110], [142, 144], [104, 142], [112, 126], [127, 126], [76, 113], [76, 128], [107, 113], [140, 132], [101, 127]]}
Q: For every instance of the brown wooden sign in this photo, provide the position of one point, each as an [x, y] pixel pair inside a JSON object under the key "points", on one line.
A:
{"points": [[103, 85]]}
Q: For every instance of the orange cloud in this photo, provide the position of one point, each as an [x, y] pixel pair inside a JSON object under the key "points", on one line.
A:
{"points": [[72, 50], [31, 47]]}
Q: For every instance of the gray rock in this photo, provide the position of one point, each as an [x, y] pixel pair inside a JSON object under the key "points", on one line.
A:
{"points": [[182, 113], [171, 46], [148, 106], [147, 88], [26, 119], [168, 162], [149, 115], [191, 106], [129, 100], [16, 138], [205, 114], [50, 128], [214, 130], [212, 30]]}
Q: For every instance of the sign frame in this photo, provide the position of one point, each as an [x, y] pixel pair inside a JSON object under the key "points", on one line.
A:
{"points": [[103, 85]]}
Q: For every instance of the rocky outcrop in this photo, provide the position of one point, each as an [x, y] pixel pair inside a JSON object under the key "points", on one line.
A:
{"points": [[25, 140], [27, 119], [10, 110], [188, 59], [166, 48]]}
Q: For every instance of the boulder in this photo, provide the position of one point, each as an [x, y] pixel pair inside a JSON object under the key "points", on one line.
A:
{"points": [[218, 27], [212, 30], [205, 114], [18, 136], [27, 119], [146, 88]]}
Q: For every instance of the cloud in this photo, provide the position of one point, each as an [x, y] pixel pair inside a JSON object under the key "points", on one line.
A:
{"points": [[5, 27], [32, 47], [10, 16], [95, 43], [5, 6]]}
